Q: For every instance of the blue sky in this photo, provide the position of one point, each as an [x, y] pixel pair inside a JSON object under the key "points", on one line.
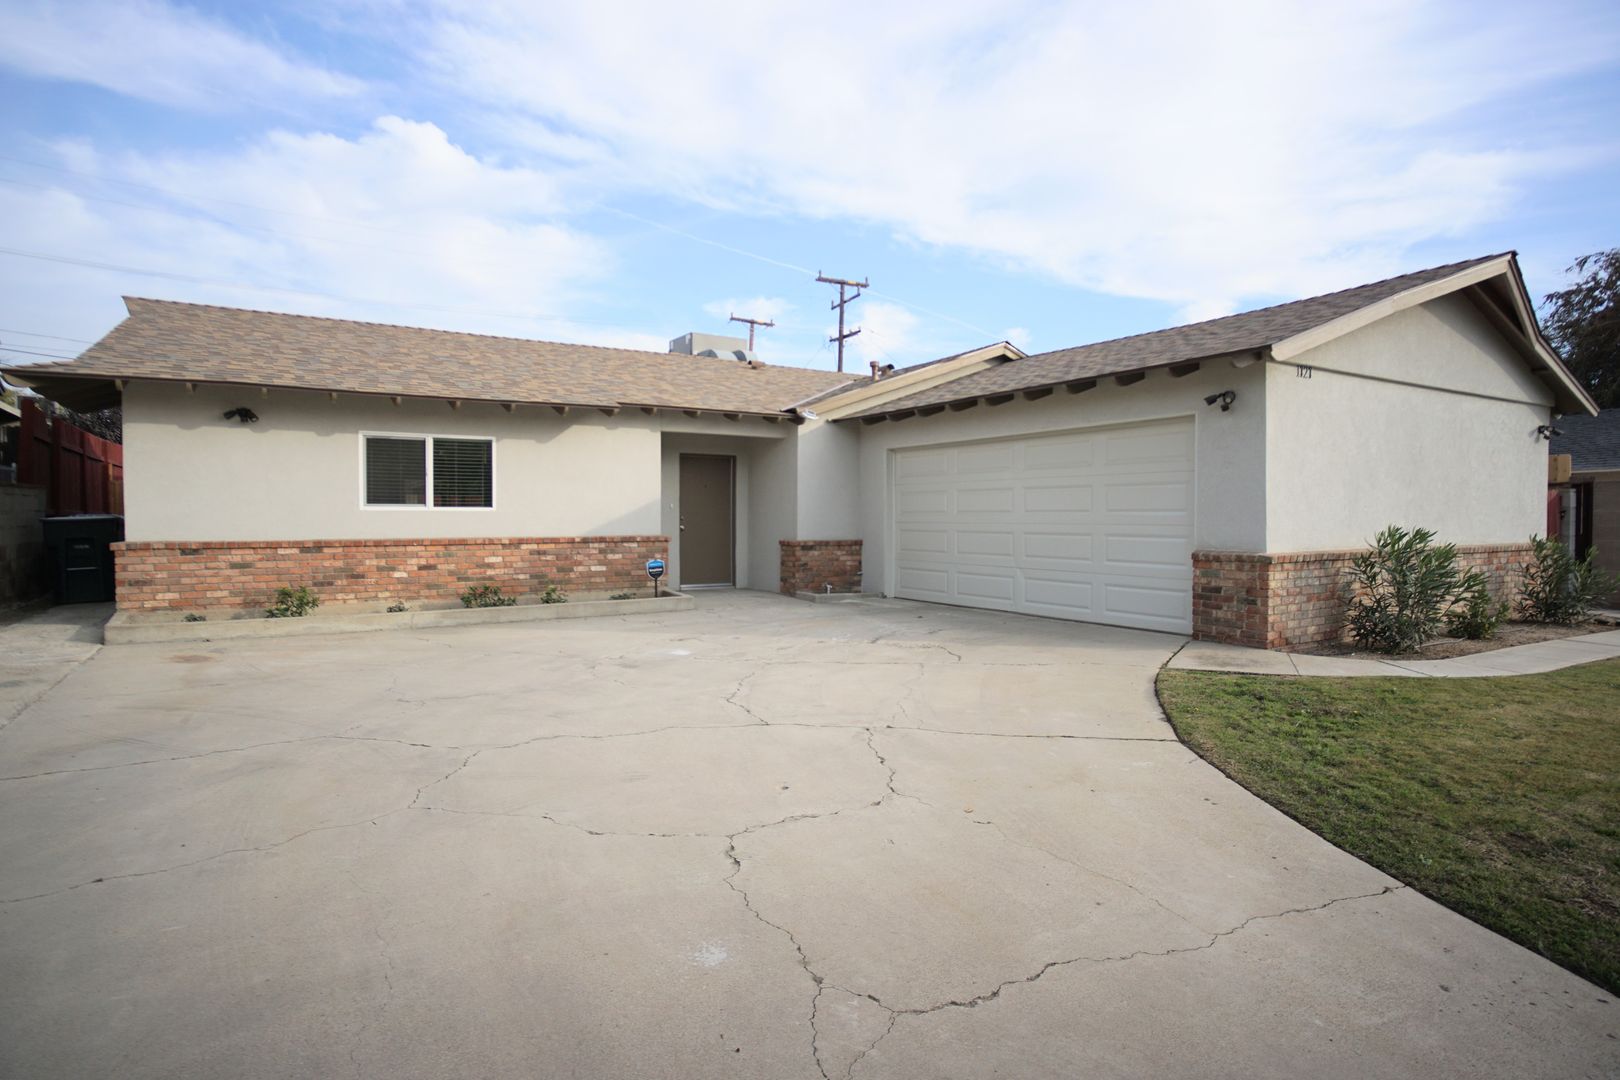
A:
{"points": [[1049, 173]]}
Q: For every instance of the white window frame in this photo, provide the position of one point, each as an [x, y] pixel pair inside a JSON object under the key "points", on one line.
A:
{"points": [[427, 504]]}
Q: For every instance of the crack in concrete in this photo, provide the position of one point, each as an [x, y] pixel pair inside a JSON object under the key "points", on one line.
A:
{"points": [[258, 848], [731, 698], [1034, 735], [225, 750], [994, 993]]}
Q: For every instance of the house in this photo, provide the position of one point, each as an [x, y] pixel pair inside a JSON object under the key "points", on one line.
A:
{"points": [[1213, 479], [1591, 517]]}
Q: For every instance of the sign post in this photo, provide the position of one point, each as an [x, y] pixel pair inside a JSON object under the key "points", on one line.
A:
{"points": [[655, 570]]}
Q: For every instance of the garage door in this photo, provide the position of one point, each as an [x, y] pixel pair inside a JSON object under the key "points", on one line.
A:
{"points": [[1093, 525]]}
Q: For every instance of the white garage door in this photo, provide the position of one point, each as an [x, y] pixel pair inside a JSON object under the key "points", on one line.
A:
{"points": [[1093, 525]]}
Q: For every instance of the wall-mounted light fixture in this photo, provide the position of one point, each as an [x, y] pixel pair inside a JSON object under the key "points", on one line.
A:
{"points": [[247, 416], [1225, 397], [1547, 431]]}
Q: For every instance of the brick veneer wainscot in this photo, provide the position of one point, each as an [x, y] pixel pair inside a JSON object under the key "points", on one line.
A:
{"points": [[1292, 599], [228, 574], [812, 565]]}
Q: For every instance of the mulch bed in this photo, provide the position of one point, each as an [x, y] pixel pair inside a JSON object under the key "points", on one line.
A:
{"points": [[1513, 633]]}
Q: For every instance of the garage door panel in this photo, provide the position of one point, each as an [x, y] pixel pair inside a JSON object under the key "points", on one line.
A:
{"points": [[1070, 598], [1073, 498], [917, 502], [978, 585], [1092, 526], [984, 500], [1053, 546], [1134, 552]]}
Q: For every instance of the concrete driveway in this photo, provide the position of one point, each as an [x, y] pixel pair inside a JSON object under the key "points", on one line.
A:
{"points": [[759, 839]]}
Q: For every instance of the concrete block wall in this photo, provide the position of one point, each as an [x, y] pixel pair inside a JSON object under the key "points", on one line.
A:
{"points": [[156, 576], [812, 565], [1291, 599], [24, 574]]}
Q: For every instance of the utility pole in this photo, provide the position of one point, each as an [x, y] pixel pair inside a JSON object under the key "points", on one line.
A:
{"points": [[751, 324], [838, 306]]}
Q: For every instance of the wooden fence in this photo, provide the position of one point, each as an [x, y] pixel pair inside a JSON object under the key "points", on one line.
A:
{"points": [[80, 472]]}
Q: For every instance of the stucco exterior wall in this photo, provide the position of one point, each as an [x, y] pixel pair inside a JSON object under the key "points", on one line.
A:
{"points": [[749, 516], [1355, 447], [295, 474], [1229, 449], [829, 481]]}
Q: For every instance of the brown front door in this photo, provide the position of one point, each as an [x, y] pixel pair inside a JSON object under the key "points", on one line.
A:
{"points": [[707, 546]]}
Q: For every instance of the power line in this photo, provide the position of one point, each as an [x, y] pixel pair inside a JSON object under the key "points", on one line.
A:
{"points": [[31, 352], [53, 337]]}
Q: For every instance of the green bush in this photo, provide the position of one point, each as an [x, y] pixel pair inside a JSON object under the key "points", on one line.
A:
{"points": [[292, 603], [553, 595], [1558, 587], [192, 616], [1474, 613], [486, 596], [1402, 588], [396, 607]]}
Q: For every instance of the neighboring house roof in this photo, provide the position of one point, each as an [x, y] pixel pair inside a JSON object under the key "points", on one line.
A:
{"points": [[1302, 323], [199, 343], [1592, 442]]}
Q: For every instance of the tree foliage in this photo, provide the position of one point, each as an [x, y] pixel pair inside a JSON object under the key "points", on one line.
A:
{"points": [[1583, 322]]}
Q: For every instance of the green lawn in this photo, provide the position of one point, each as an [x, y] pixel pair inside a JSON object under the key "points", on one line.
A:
{"points": [[1500, 798]]}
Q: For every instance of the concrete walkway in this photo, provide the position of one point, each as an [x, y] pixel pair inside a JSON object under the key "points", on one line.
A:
{"points": [[40, 650], [1516, 660], [761, 838]]}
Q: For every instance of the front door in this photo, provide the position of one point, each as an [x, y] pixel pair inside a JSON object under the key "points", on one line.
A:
{"points": [[708, 555]]}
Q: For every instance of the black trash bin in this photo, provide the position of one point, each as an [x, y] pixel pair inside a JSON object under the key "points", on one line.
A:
{"points": [[80, 550]]}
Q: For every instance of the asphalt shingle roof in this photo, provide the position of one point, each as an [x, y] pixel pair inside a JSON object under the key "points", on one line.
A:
{"points": [[1592, 442], [1177, 345], [163, 339]]}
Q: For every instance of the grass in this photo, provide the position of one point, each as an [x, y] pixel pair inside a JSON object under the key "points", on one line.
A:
{"points": [[1499, 797]]}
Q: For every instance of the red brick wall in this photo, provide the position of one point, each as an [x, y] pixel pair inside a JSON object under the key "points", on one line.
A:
{"points": [[812, 565], [1285, 600], [226, 574]]}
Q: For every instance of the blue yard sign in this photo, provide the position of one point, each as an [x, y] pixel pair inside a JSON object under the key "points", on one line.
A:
{"points": [[655, 568]]}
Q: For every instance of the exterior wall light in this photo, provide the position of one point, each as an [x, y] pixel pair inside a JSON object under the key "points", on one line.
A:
{"points": [[247, 416], [1547, 431], [1225, 397]]}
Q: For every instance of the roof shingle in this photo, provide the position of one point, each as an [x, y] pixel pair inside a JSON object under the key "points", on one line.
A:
{"points": [[1592, 442], [166, 340], [1162, 348]]}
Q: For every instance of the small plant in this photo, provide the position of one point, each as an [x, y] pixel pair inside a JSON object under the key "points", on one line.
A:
{"points": [[192, 616], [1474, 613], [1558, 587], [396, 607], [623, 596], [292, 603], [486, 596], [1402, 588], [553, 595]]}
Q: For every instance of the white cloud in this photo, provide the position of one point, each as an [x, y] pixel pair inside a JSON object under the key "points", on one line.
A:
{"points": [[397, 225], [1017, 335], [889, 335], [1196, 155], [151, 50]]}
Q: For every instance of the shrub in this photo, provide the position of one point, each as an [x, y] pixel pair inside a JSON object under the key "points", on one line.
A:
{"points": [[1474, 613], [192, 616], [553, 595], [396, 607], [1402, 589], [623, 596], [292, 603], [1558, 587], [486, 596]]}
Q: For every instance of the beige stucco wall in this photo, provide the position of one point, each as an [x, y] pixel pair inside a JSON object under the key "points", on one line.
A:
{"points": [[295, 474], [758, 522], [829, 459], [1350, 454], [1229, 449]]}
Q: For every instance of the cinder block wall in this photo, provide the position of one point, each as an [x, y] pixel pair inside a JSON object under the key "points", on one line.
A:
{"points": [[23, 571], [1292, 599], [156, 576], [812, 565]]}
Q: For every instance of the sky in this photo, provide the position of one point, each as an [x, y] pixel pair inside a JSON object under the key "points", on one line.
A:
{"points": [[1050, 174]]}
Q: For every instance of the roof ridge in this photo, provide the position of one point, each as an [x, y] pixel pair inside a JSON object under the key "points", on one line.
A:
{"points": [[1460, 264], [452, 333]]}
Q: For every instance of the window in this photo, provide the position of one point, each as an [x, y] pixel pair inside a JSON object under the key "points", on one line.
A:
{"points": [[401, 470]]}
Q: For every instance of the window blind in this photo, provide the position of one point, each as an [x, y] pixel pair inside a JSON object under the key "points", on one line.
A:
{"points": [[396, 472], [463, 473]]}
